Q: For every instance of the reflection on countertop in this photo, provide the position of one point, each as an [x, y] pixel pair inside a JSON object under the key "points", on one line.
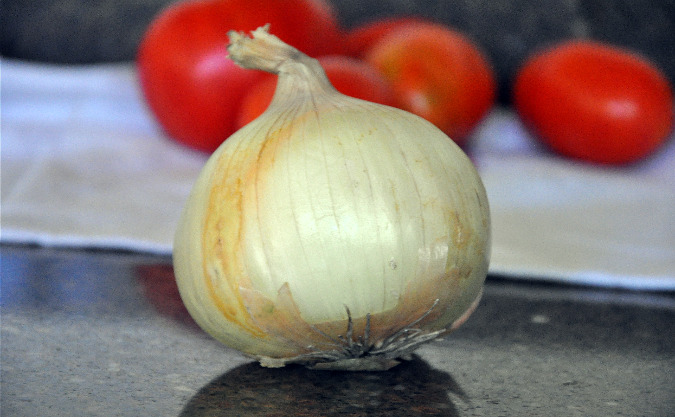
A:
{"points": [[409, 389]]}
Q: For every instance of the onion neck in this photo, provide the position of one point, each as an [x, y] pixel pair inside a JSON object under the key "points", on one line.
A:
{"points": [[299, 74]]}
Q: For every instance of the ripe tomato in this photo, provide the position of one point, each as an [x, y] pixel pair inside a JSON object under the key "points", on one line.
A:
{"points": [[350, 76], [438, 74], [361, 38], [191, 86], [595, 102]]}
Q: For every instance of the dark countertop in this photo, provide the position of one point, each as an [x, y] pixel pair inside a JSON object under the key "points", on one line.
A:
{"points": [[93, 333]]}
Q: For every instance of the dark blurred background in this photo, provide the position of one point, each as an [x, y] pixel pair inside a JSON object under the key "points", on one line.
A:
{"points": [[91, 31]]}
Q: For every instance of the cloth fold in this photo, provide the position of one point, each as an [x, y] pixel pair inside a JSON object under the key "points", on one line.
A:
{"points": [[84, 164]]}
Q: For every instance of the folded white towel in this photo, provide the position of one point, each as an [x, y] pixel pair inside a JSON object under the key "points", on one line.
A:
{"points": [[85, 165]]}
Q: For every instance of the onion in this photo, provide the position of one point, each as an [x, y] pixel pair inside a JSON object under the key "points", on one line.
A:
{"points": [[330, 231]]}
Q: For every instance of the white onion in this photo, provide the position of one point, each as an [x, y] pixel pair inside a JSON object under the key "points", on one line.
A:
{"points": [[330, 231]]}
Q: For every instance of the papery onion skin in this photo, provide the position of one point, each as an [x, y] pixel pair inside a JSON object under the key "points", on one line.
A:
{"points": [[329, 213]]}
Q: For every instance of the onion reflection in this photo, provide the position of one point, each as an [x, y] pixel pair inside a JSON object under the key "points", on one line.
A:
{"points": [[411, 388]]}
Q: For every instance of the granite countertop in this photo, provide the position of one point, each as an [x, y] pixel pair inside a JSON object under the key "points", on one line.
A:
{"points": [[93, 333]]}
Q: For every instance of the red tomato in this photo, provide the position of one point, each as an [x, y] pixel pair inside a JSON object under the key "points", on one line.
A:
{"points": [[191, 86], [350, 76], [438, 74], [360, 39], [595, 102]]}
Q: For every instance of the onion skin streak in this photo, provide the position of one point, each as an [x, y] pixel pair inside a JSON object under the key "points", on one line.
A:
{"points": [[329, 213]]}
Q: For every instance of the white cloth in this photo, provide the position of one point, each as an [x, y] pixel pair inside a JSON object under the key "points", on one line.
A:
{"points": [[83, 164]]}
